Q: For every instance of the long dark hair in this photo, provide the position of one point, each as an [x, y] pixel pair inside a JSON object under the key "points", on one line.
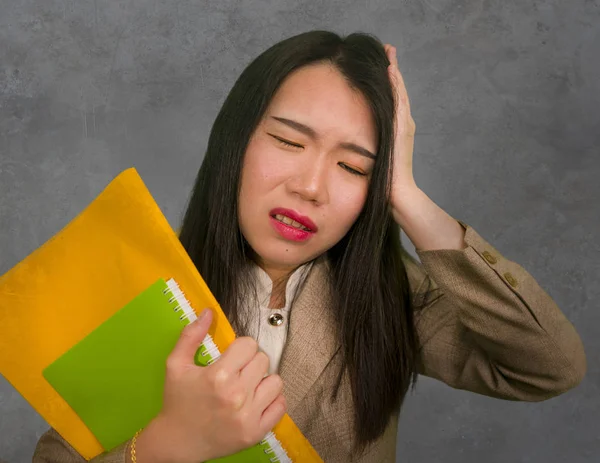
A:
{"points": [[369, 284]]}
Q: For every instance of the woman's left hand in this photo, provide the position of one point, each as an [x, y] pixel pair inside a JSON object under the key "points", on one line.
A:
{"points": [[403, 181]]}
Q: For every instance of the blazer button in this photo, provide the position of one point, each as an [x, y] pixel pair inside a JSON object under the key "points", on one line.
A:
{"points": [[491, 259], [511, 279]]}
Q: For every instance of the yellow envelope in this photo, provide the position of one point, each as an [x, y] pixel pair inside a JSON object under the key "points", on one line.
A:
{"points": [[117, 247]]}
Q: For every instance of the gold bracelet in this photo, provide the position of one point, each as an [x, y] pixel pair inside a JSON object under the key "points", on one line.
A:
{"points": [[133, 456]]}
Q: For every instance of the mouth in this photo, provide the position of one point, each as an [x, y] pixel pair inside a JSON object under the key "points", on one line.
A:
{"points": [[290, 222], [294, 220]]}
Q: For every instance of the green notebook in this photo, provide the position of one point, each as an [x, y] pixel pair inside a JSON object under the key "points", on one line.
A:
{"points": [[114, 377]]}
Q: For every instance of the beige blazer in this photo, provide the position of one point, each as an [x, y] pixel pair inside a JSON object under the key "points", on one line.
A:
{"points": [[494, 331]]}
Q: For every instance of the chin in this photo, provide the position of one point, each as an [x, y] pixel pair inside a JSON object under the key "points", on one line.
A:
{"points": [[283, 254]]}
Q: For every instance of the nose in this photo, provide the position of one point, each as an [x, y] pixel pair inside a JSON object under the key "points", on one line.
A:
{"points": [[310, 180]]}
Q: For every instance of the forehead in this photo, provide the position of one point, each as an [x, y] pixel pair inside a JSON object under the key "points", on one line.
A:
{"points": [[318, 95]]}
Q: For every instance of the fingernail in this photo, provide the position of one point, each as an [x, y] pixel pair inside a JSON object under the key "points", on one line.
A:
{"points": [[202, 315]]}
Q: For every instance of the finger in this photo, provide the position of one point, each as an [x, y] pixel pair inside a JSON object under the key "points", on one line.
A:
{"points": [[238, 354], [394, 53], [254, 372], [394, 62], [390, 52], [399, 87], [190, 339], [398, 77], [267, 391], [386, 48], [272, 414]]}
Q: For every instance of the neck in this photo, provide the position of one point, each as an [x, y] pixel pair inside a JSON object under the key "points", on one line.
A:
{"points": [[278, 294], [279, 276]]}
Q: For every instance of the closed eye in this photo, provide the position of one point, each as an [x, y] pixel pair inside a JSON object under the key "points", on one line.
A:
{"points": [[351, 170], [346, 167], [286, 143]]}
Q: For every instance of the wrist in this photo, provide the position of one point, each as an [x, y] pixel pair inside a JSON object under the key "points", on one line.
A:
{"points": [[159, 443], [404, 201], [150, 445]]}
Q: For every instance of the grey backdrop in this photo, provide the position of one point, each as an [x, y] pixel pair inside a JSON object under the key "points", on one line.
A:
{"points": [[505, 96]]}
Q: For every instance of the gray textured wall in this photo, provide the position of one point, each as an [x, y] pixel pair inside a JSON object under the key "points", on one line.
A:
{"points": [[506, 99]]}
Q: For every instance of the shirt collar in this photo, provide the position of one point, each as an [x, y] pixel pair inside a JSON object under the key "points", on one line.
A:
{"points": [[265, 285]]}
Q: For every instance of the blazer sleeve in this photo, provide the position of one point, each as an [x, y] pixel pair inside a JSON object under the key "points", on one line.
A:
{"points": [[52, 448], [492, 329]]}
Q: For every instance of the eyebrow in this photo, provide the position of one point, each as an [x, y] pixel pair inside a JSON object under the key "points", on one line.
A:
{"points": [[312, 133]]}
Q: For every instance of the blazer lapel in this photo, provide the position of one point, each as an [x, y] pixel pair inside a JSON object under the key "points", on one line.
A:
{"points": [[310, 341]]}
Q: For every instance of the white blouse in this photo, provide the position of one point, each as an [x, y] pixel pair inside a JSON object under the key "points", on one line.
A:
{"points": [[271, 329]]}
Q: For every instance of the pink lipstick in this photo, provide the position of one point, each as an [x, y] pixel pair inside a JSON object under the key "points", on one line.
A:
{"points": [[291, 225]]}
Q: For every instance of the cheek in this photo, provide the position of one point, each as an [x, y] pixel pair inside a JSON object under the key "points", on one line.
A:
{"points": [[347, 205], [263, 166], [255, 174], [262, 173]]}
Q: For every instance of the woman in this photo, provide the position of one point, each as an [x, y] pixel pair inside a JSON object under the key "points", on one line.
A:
{"points": [[294, 223]]}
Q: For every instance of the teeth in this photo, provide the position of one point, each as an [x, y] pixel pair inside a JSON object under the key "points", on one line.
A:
{"points": [[286, 220]]}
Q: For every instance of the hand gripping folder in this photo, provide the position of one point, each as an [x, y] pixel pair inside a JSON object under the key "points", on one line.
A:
{"points": [[60, 303]]}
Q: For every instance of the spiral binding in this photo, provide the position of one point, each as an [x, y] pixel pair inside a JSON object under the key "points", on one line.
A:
{"points": [[184, 306], [275, 451]]}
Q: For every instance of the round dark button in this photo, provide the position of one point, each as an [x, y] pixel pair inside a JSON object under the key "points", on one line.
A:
{"points": [[276, 319]]}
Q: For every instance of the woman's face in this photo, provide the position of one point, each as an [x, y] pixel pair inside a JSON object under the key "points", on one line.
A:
{"points": [[298, 200]]}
